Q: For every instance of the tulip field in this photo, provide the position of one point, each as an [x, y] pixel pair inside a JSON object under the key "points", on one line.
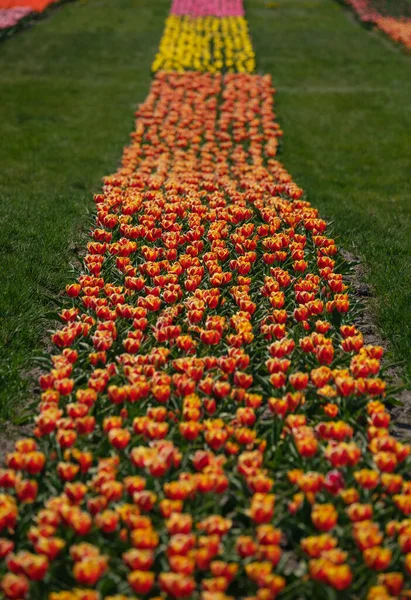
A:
{"points": [[211, 422]]}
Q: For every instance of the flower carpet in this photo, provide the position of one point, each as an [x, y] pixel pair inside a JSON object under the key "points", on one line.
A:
{"points": [[212, 424]]}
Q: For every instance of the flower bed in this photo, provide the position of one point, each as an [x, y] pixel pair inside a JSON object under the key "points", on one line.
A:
{"points": [[205, 44], [13, 13], [204, 8], [37, 5], [398, 29], [212, 424], [9, 17]]}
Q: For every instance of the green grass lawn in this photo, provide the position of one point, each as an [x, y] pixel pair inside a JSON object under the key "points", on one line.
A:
{"points": [[69, 87], [344, 105]]}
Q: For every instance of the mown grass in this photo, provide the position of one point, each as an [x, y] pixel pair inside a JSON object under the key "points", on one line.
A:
{"points": [[344, 105], [69, 87]]}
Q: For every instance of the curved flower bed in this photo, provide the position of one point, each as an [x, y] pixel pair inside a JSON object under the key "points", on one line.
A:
{"points": [[205, 44], [212, 425], [398, 29]]}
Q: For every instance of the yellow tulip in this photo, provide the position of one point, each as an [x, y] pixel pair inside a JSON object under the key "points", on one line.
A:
{"points": [[205, 44]]}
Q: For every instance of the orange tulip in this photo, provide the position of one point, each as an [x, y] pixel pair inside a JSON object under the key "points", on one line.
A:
{"points": [[14, 586], [141, 582]]}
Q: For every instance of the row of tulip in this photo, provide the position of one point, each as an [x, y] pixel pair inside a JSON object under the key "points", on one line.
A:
{"points": [[212, 425], [398, 29], [211, 44], [205, 8]]}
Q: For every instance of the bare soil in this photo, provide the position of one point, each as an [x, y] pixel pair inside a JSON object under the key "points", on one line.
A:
{"points": [[401, 415]]}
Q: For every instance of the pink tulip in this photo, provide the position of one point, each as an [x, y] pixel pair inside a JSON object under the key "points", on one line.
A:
{"points": [[203, 8], [9, 17]]}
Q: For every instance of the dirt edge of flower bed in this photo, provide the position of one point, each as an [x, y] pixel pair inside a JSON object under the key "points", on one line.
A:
{"points": [[366, 323]]}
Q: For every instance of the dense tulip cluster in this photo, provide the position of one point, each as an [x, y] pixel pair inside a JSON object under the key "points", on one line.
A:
{"points": [[14, 11], [205, 8], [9, 17], [205, 44], [37, 5], [212, 424], [399, 29]]}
